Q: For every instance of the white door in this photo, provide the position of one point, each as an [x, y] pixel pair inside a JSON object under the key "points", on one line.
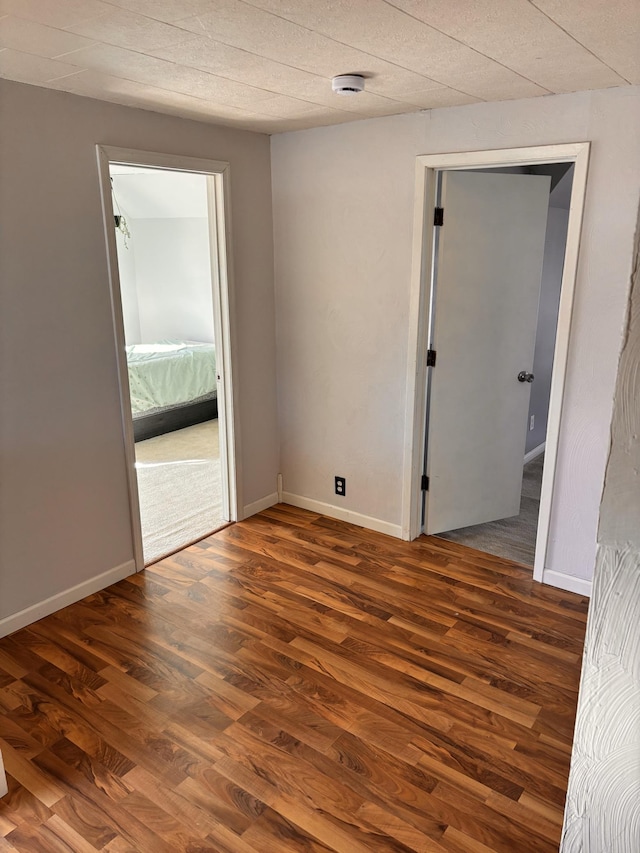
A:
{"points": [[489, 267]]}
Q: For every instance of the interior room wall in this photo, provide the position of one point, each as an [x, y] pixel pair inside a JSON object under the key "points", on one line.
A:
{"points": [[128, 287], [343, 201], [550, 285], [603, 799], [64, 509], [173, 279]]}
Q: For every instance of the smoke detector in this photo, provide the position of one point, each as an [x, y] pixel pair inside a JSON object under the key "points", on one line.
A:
{"points": [[348, 84]]}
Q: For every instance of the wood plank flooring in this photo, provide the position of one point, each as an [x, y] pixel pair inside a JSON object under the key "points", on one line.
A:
{"points": [[294, 683]]}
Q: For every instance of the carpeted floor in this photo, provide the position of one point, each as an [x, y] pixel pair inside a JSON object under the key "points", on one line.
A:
{"points": [[179, 487], [513, 538]]}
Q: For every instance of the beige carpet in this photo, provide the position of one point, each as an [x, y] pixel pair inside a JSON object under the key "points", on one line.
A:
{"points": [[513, 538], [179, 487]]}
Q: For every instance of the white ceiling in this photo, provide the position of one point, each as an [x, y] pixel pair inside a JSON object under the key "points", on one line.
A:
{"points": [[266, 65]]}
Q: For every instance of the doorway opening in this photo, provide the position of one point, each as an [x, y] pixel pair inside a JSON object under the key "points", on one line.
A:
{"points": [[493, 288], [514, 536], [167, 249]]}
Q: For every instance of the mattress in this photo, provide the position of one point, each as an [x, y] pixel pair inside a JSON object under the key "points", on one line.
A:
{"points": [[170, 373]]}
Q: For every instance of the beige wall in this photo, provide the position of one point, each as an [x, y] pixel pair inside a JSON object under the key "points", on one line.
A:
{"points": [[343, 206], [64, 516]]}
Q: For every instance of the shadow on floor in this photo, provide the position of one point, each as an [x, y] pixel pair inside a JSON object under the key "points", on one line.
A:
{"points": [[515, 537]]}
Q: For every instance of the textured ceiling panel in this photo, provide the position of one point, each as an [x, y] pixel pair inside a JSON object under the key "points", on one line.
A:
{"points": [[377, 27], [56, 13], [267, 64], [127, 29], [536, 48], [611, 30], [40, 39], [27, 68]]}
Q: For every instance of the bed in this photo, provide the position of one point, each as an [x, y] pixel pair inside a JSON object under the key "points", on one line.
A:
{"points": [[172, 386]]}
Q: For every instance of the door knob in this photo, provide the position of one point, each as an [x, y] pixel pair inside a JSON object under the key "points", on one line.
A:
{"points": [[523, 376]]}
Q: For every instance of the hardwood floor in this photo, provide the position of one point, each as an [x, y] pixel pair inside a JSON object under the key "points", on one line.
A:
{"points": [[295, 683]]}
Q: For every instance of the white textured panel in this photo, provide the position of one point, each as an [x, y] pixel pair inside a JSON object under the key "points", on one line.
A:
{"points": [[229, 61], [375, 27], [168, 11], [31, 37], [603, 798], [519, 36], [166, 75], [258, 32], [126, 29], [620, 512], [95, 84], [61, 13], [610, 30], [26, 68]]}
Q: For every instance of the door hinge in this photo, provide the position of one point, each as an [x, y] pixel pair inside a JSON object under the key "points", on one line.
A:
{"points": [[424, 483], [438, 216], [431, 358]]}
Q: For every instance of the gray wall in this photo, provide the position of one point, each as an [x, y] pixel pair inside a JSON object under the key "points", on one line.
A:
{"points": [[64, 516], [554, 246], [603, 801]]}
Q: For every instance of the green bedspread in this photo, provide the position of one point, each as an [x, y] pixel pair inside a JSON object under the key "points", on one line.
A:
{"points": [[169, 373]]}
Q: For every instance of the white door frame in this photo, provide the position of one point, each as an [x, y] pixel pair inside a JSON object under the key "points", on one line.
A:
{"points": [[218, 203], [427, 166]]}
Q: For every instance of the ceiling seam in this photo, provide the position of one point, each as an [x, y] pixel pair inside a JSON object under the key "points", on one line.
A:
{"points": [[176, 25], [577, 41], [345, 44], [193, 35], [215, 77], [249, 112], [406, 68], [467, 45]]}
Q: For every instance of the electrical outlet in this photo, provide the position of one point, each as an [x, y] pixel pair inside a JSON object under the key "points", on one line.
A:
{"points": [[532, 422], [341, 486]]}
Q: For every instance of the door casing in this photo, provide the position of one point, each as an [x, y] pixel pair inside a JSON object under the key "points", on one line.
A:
{"points": [[423, 260], [218, 201]]}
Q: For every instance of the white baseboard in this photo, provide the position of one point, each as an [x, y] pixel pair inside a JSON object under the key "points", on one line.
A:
{"points": [[568, 582], [258, 506], [341, 514], [61, 599], [533, 454]]}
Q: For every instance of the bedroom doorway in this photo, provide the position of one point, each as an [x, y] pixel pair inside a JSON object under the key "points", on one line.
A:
{"points": [[167, 248]]}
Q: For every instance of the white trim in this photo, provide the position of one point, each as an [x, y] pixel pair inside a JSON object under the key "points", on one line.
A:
{"points": [[218, 199], [569, 582], [258, 506], [533, 454], [62, 599], [561, 356], [426, 168], [341, 514]]}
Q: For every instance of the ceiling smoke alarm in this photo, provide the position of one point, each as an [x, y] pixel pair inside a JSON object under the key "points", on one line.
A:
{"points": [[348, 84]]}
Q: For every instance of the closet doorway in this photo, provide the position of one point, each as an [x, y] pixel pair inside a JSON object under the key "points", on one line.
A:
{"points": [[471, 325], [167, 244]]}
